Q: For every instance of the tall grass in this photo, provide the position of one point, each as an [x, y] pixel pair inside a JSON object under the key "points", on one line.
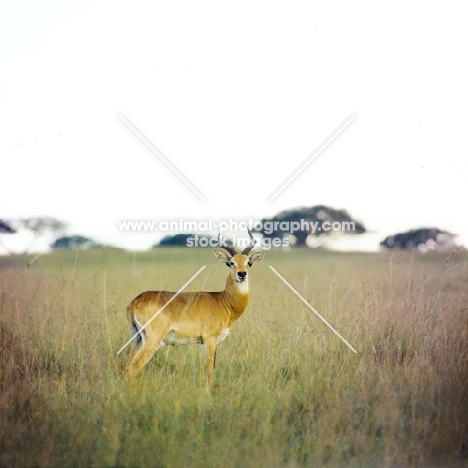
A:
{"points": [[288, 392]]}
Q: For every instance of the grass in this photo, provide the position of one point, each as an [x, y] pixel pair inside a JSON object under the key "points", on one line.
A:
{"points": [[288, 392]]}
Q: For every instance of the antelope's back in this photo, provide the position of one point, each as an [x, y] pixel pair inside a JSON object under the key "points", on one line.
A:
{"points": [[189, 305]]}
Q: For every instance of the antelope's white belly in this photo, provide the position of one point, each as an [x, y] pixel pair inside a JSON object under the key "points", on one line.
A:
{"points": [[173, 340]]}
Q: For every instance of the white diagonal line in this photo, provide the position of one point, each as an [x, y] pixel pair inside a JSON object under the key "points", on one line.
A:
{"points": [[313, 310], [161, 157], [312, 158], [161, 309]]}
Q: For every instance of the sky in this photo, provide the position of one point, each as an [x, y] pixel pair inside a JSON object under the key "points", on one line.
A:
{"points": [[236, 97]]}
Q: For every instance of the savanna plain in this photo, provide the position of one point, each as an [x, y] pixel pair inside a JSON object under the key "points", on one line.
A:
{"points": [[288, 392]]}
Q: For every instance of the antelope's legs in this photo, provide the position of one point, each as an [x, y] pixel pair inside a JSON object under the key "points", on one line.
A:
{"points": [[209, 351], [140, 356]]}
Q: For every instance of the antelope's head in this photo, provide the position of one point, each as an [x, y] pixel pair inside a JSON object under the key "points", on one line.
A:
{"points": [[238, 263]]}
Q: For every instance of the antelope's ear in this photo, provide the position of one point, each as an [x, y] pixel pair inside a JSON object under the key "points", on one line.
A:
{"points": [[256, 257], [222, 255]]}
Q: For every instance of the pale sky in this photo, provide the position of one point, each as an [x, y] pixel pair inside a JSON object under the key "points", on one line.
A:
{"points": [[236, 96]]}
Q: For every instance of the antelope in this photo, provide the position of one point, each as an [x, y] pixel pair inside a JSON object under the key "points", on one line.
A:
{"points": [[202, 317]]}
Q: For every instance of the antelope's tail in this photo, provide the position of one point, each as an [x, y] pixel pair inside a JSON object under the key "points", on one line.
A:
{"points": [[136, 328]]}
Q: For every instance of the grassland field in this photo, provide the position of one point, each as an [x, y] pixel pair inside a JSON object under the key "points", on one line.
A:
{"points": [[288, 392]]}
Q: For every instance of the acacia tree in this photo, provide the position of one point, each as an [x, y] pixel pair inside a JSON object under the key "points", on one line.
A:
{"points": [[75, 242], [422, 239], [312, 223], [36, 226], [177, 240], [5, 228]]}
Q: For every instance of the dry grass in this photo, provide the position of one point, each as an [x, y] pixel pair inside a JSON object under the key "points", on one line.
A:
{"points": [[288, 392]]}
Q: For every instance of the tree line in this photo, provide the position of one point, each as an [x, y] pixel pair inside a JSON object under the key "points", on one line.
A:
{"points": [[303, 226]]}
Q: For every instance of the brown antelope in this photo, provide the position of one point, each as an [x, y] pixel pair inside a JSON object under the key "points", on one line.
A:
{"points": [[191, 317]]}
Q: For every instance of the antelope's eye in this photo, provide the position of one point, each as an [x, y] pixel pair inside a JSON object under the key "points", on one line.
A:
{"points": [[249, 263], [230, 264]]}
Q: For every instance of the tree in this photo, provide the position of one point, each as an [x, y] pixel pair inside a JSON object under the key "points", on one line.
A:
{"points": [[35, 227], [6, 228], [422, 239], [317, 221], [39, 226], [75, 242], [174, 240], [177, 240]]}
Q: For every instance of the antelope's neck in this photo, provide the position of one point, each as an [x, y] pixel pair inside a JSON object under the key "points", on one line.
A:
{"points": [[237, 296]]}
